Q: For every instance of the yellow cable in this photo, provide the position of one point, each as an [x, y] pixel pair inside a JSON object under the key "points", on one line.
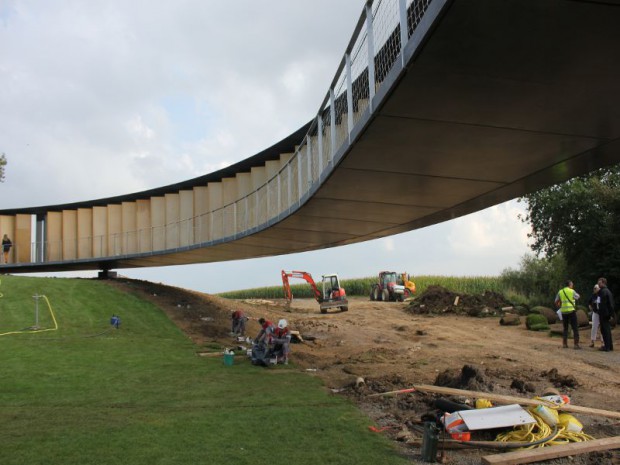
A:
{"points": [[539, 430], [38, 330]]}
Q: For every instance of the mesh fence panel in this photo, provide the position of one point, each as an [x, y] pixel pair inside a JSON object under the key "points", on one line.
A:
{"points": [[228, 220], [313, 161], [415, 11], [217, 224], [386, 33], [284, 182], [262, 205], [295, 174], [272, 190], [327, 138], [359, 76], [342, 108]]}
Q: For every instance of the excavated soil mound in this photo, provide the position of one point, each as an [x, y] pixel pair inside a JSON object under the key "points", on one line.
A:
{"points": [[439, 300]]}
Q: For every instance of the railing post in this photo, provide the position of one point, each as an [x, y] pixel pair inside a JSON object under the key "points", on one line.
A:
{"points": [[309, 161], [404, 29], [349, 93], [320, 151], [371, 54], [279, 196], [289, 172], [332, 124]]}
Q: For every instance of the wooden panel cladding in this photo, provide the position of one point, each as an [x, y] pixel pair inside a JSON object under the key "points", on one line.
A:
{"points": [[172, 220], [129, 225], [85, 232], [186, 225], [100, 231], [115, 230], [69, 234], [143, 224], [201, 214], [22, 240], [54, 236], [7, 226], [158, 223]]}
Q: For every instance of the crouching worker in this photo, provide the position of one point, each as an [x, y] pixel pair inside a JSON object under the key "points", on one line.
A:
{"points": [[238, 323], [265, 335], [282, 342], [261, 348]]}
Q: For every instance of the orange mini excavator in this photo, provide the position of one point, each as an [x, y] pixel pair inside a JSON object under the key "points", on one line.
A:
{"points": [[332, 295]]}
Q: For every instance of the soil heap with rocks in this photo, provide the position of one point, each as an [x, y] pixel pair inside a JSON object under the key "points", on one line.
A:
{"points": [[439, 300]]}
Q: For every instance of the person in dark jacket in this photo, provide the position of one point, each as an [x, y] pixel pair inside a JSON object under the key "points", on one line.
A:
{"points": [[605, 313], [593, 303], [6, 247]]}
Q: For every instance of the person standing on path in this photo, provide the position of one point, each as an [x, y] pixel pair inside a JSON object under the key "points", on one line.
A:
{"points": [[593, 304], [605, 313], [6, 247], [565, 299]]}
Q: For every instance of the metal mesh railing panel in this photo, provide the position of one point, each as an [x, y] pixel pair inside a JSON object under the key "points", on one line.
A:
{"points": [[386, 33], [272, 191], [415, 11], [295, 174], [359, 76], [217, 224], [342, 109], [313, 162], [284, 184], [327, 138]]}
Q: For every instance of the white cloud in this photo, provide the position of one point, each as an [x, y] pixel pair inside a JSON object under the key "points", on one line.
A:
{"points": [[106, 98]]}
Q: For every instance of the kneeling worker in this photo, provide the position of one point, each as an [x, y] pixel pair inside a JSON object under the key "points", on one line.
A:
{"points": [[281, 342]]}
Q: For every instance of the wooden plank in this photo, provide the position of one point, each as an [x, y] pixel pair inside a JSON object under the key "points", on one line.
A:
{"points": [[502, 399], [553, 452]]}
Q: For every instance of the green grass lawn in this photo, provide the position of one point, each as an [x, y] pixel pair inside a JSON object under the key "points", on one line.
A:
{"points": [[89, 394]]}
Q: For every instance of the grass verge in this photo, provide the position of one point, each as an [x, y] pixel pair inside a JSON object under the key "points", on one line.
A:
{"points": [[88, 394]]}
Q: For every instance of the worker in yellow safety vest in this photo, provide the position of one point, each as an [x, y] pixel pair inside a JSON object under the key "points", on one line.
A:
{"points": [[565, 300]]}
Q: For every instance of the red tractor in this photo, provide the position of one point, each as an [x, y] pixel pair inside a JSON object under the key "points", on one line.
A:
{"points": [[331, 296], [387, 288]]}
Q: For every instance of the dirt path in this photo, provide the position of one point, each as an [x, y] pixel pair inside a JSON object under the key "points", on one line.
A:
{"points": [[392, 348]]}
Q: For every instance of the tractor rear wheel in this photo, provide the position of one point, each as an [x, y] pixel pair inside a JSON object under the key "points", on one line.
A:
{"points": [[344, 308], [372, 294], [376, 293], [385, 295], [323, 310]]}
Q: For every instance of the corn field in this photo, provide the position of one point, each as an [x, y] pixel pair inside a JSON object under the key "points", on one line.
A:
{"points": [[361, 287]]}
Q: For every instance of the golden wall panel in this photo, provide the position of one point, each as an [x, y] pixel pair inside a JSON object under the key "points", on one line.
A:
{"points": [[115, 230], [158, 222], [69, 234], [85, 232], [186, 212], [100, 231], [143, 224], [129, 226]]}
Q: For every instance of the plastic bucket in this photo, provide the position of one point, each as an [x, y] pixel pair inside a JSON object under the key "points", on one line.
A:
{"points": [[229, 359]]}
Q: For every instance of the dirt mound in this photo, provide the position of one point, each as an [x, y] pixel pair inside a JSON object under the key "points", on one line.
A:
{"points": [[469, 378], [439, 300]]}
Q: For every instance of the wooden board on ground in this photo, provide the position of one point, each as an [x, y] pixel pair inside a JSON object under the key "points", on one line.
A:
{"points": [[513, 400], [553, 452]]}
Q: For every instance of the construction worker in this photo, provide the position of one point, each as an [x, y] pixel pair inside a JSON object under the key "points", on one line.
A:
{"points": [[565, 299], [266, 332], [238, 323], [281, 342]]}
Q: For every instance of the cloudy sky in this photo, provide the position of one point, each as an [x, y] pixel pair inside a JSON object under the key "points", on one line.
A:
{"points": [[105, 98]]}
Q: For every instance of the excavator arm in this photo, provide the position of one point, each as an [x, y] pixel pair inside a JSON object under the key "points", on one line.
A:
{"points": [[288, 295]]}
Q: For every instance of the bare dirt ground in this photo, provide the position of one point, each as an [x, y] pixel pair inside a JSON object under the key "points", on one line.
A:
{"points": [[392, 348]]}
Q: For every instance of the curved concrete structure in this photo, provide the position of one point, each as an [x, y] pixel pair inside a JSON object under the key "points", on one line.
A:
{"points": [[439, 108]]}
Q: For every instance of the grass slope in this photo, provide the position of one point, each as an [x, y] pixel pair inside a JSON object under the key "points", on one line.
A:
{"points": [[89, 394]]}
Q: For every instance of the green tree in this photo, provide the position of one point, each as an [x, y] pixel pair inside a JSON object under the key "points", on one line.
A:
{"points": [[580, 219], [537, 278], [2, 165]]}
